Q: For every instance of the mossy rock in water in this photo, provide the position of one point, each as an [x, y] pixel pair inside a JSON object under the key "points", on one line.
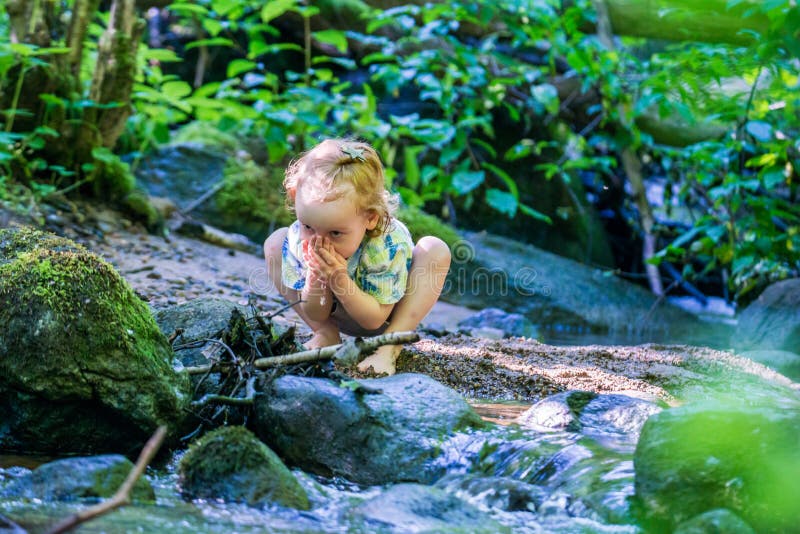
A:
{"points": [[83, 365], [231, 463]]}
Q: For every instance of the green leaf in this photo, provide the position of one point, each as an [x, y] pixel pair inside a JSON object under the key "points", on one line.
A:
{"points": [[188, 9], [503, 175], [502, 201], [547, 95], [103, 154], [212, 26], [773, 177], [275, 8], [335, 38], [176, 89], [760, 130], [411, 167], [538, 215], [214, 41], [238, 66], [223, 7], [466, 181]]}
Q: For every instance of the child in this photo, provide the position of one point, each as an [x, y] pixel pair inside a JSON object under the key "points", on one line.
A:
{"points": [[352, 264]]}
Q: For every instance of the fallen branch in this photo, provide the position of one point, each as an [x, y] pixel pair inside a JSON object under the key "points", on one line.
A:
{"points": [[324, 353], [123, 494], [216, 188]]}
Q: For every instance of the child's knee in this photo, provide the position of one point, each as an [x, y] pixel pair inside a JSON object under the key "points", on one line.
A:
{"points": [[273, 246], [432, 251]]}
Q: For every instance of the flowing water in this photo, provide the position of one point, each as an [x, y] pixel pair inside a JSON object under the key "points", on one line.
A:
{"points": [[526, 480]]}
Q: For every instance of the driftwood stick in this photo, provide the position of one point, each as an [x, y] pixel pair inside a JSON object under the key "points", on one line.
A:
{"points": [[123, 494], [326, 353], [323, 353]]}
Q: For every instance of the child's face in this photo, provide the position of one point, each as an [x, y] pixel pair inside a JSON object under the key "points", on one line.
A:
{"points": [[340, 220]]}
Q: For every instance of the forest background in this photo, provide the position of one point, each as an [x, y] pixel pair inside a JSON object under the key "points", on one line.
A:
{"points": [[529, 117]]}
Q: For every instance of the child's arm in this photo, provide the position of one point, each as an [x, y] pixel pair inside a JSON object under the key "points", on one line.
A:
{"points": [[361, 306]]}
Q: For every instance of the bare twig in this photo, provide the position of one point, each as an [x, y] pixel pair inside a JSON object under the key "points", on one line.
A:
{"points": [[324, 353], [123, 494], [216, 188], [247, 400]]}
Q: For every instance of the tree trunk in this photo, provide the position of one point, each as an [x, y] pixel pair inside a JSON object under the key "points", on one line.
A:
{"points": [[115, 71], [686, 20]]}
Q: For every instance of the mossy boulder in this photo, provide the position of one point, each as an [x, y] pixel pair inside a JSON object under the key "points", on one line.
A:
{"points": [[83, 365], [90, 477], [231, 464], [737, 455]]}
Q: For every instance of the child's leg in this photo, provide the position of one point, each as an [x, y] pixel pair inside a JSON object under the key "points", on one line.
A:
{"points": [[325, 332], [429, 266]]}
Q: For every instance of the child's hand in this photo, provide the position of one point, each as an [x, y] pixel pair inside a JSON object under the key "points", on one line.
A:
{"points": [[313, 273], [328, 262]]}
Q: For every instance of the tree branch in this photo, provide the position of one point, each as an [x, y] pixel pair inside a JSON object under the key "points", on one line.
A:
{"points": [[123, 494], [325, 353]]}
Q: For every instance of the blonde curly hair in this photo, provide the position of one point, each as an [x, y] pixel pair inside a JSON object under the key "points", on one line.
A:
{"points": [[326, 170]]}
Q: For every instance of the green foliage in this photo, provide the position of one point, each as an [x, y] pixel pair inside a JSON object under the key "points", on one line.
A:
{"points": [[742, 188], [485, 107]]}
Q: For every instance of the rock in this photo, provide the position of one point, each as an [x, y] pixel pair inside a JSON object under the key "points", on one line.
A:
{"points": [[366, 438], [742, 457], [557, 412], [418, 508], [231, 464], [78, 478], [713, 521], [785, 362], [616, 420], [501, 493], [203, 318], [485, 332], [772, 321], [492, 271], [77, 345], [511, 324]]}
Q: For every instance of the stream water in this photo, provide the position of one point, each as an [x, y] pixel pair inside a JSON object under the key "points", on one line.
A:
{"points": [[525, 480]]}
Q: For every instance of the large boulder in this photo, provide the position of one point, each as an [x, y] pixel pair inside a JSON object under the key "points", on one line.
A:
{"points": [[772, 321], [97, 477], [367, 438], [742, 457], [556, 292], [231, 464], [77, 345]]}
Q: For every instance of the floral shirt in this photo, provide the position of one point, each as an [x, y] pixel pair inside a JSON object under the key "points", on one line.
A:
{"points": [[379, 267]]}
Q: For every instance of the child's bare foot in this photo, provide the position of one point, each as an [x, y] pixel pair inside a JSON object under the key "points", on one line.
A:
{"points": [[325, 336], [382, 361]]}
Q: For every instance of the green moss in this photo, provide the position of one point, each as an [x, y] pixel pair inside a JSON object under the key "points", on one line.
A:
{"points": [[138, 203], [209, 135], [42, 275], [252, 197], [231, 463], [421, 224], [113, 178]]}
